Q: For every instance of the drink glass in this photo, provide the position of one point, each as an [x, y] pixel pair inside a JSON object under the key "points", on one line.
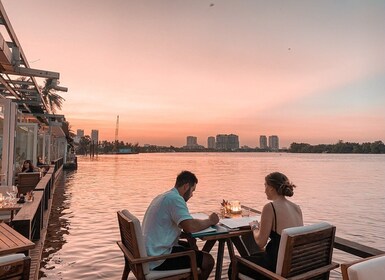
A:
{"points": [[245, 212]]}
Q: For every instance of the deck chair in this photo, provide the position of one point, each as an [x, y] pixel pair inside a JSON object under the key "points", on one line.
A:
{"points": [[304, 253], [15, 266], [27, 182], [135, 255], [372, 268]]}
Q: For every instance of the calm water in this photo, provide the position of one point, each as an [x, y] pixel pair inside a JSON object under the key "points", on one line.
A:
{"points": [[346, 190]]}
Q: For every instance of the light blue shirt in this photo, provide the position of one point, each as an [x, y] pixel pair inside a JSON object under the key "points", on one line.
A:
{"points": [[160, 223]]}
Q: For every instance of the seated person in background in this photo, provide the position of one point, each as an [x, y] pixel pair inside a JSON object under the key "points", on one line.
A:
{"points": [[40, 162], [163, 221], [28, 166], [41, 165], [276, 216]]}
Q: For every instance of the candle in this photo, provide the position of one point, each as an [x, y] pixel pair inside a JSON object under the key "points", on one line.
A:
{"points": [[235, 206]]}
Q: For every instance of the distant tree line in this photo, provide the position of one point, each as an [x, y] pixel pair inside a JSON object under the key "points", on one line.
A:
{"points": [[85, 147], [341, 147]]}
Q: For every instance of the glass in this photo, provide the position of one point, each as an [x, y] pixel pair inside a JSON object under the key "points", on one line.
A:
{"points": [[235, 207], [245, 212]]}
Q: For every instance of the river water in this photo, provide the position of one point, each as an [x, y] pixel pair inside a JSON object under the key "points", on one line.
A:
{"points": [[345, 190]]}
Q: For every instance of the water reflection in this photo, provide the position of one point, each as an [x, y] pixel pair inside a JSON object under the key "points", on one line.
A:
{"points": [[346, 190], [58, 227]]}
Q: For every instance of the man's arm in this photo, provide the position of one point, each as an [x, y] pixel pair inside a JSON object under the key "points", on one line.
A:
{"points": [[194, 225]]}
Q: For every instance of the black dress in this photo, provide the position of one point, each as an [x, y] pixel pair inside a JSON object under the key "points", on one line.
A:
{"points": [[268, 258]]}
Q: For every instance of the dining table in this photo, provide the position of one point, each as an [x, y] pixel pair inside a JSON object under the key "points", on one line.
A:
{"points": [[8, 205], [12, 208], [233, 237], [12, 241]]}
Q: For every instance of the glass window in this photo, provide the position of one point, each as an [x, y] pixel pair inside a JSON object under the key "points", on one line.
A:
{"points": [[24, 144]]}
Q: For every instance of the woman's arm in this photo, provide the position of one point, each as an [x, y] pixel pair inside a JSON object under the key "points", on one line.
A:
{"points": [[261, 233]]}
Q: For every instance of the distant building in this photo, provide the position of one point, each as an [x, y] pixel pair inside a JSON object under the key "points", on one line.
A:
{"points": [[263, 142], [95, 136], [274, 143], [192, 141], [227, 142], [80, 133], [211, 142]]}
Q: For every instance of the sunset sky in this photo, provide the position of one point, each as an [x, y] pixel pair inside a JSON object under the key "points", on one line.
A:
{"points": [[307, 71]]}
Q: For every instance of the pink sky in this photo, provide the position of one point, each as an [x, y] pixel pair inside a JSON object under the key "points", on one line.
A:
{"points": [[307, 71]]}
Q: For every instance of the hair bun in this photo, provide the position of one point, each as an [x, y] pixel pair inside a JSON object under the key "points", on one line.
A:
{"points": [[280, 183], [286, 189]]}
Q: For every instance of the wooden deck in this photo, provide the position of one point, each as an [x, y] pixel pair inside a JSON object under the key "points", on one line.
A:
{"points": [[36, 253], [32, 223]]}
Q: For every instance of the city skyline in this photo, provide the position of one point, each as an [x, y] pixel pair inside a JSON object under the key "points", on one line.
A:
{"points": [[312, 73], [190, 141]]}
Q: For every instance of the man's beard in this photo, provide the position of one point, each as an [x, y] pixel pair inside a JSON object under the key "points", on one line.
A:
{"points": [[187, 195]]}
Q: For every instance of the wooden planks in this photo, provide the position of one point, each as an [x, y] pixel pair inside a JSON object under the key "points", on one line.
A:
{"points": [[13, 242]]}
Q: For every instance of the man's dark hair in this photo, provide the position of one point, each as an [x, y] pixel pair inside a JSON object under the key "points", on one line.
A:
{"points": [[186, 177]]}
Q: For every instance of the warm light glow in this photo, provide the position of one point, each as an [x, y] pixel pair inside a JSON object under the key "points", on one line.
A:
{"points": [[235, 207], [242, 67]]}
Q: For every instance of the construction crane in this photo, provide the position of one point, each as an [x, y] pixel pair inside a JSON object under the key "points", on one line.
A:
{"points": [[116, 134]]}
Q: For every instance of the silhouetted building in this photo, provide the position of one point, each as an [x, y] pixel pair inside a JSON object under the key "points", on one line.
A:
{"points": [[95, 136], [192, 141], [263, 142], [79, 135], [211, 142], [274, 143], [227, 142]]}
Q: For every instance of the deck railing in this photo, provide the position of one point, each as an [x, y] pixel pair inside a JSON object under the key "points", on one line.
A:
{"points": [[58, 163], [344, 245], [29, 220]]}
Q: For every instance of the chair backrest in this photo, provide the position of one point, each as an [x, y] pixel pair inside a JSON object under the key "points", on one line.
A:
{"points": [[372, 268], [15, 266], [305, 248], [27, 181], [132, 237]]}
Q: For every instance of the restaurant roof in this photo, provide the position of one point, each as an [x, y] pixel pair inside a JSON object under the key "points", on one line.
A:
{"points": [[18, 80]]}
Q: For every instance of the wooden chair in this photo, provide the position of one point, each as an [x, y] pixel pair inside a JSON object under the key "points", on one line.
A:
{"points": [[135, 255], [27, 182], [372, 268], [304, 253], [15, 266]]}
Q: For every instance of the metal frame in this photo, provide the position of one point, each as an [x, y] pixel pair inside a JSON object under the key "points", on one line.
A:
{"points": [[14, 66]]}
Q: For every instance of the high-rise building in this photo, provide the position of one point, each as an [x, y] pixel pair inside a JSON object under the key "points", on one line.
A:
{"points": [[263, 142], [211, 142], [80, 133], [227, 142], [192, 141], [274, 143], [95, 136]]}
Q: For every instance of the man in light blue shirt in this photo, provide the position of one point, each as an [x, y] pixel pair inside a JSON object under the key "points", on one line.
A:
{"points": [[166, 216]]}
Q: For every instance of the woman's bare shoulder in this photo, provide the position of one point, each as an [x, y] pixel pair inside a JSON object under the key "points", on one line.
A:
{"points": [[267, 208]]}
